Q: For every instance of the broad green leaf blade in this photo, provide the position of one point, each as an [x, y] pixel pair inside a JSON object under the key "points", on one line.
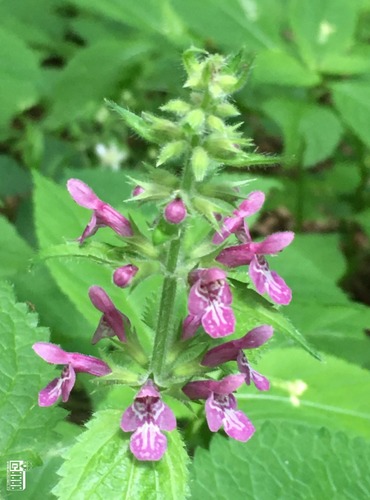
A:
{"points": [[280, 68], [234, 23], [283, 461], [41, 480], [321, 131], [74, 95], [321, 27], [20, 77], [101, 465], [252, 310], [15, 254], [25, 429], [352, 100], [333, 393]]}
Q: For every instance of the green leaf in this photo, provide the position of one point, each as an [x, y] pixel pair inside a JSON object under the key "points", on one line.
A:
{"points": [[321, 131], [78, 92], [14, 179], [283, 461], [352, 100], [15, 254], [26, 429], [233, 24], [252, 310], [41, 480], [19, 77], [333, 393], [321, 27], [101, 465], [280, 68]]}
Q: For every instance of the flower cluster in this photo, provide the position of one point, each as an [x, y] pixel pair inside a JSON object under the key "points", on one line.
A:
{"points": [[200, 135]]}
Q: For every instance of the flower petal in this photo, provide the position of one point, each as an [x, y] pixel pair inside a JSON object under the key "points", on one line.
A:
{"points": [[269, 282], [51, 393], [100, 299], [218, 320], [51, 353], [190, 326], [235, 256], [221, 354], [273, 243], [163, 416], [230, 225], [256, 337], [148, 443], [88, 364], [83, 194], [252, 204], [68, 381], [133, 417], [108, 216], [214, 414], [237, 425]]}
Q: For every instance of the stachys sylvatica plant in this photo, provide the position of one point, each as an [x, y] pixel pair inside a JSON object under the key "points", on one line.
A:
{"points": [[190, 356]]}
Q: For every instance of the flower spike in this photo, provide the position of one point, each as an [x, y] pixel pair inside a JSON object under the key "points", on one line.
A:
{"points": [[103, 214]]}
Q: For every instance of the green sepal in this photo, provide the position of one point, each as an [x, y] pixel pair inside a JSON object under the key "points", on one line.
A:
{"points": [[164, 231], [135, 122]]}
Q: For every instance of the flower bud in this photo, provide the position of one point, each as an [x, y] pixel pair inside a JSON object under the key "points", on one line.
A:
{"points": [[227, 110], [137, 190], [171, 151], [215, 123], [123, 276], [176, 106], [199, 163], [175, 212], [195, 119]]}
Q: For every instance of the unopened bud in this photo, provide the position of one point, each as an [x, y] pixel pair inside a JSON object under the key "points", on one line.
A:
{"points": [[123, 276], [227, 110], [137, 190], [215, 123], [199, 163], [171, 151], [175, 212], [195, 119], [227, 82], [176, 106]]}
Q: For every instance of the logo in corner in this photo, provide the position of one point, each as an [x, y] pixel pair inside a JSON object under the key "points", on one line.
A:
{"points": [[16, 474]]}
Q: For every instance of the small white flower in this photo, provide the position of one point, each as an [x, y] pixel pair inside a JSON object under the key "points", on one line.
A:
{"points": [[111, 156]]}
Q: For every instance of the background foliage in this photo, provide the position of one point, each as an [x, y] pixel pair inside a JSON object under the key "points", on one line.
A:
{"points": [[307, 99]]}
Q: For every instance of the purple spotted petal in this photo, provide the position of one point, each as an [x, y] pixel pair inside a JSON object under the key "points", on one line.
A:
{"points": [[82, 194], [221, 410], [148, 443], [269, 282], [149, 389], [218, 320], [165, 418], [60, 386], [133, 417], [273, 243], [250, 374], [51, 353], [235, 256]]}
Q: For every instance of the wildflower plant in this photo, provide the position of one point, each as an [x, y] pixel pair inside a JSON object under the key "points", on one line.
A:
{"points": [[189, 357]]}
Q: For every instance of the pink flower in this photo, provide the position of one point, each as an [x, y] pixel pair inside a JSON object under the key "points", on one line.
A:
{"points": [[112, 321], [147, 416], [221, 407], [123, 276], [209, 304], [233, 350], [73, 362], [137, 190], [103, 214], [234, 224], [264, 280], [175, 212]]}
